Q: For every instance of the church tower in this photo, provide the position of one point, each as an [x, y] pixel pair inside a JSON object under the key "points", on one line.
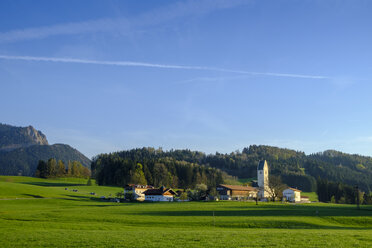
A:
{"points": [[263, 179]]}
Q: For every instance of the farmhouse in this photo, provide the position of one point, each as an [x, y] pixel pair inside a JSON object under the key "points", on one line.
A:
{"points": [[292, 195], [135, 191], [236, 192], [161, 194]]}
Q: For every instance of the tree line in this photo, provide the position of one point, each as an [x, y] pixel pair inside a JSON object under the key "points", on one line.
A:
{"points": [[295, 168], [147, 166], [53, 168], [336, 192]]}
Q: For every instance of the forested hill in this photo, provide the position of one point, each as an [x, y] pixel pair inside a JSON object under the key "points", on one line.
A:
{"points": [[296, 168], [153, 167], [21, 148], [23, 161]]}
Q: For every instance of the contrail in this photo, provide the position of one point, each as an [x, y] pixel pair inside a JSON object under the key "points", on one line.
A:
{"points": [[155, 65]]}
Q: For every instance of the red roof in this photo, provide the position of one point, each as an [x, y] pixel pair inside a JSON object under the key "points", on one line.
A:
{"points": [[238, 187], [295, 189], [138, 186]]}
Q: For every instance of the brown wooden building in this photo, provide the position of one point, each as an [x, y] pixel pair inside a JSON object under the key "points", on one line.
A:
{"points": [[236, 192]]}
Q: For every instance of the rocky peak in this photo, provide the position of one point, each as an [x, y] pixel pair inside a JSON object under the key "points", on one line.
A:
{"points": [[12, 137], [38, 137]]}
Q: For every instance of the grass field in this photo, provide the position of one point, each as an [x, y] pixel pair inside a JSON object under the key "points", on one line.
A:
{"points": [[47, 215]]}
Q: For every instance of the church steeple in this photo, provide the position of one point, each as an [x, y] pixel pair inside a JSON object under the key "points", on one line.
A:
{"points": [[263, 179]]}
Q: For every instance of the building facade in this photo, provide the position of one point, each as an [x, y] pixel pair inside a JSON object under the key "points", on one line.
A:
{"points": [[292, 195], [161, 194]]}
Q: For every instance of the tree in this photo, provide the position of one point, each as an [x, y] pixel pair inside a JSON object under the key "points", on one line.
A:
{"points": [[148, 175], [199, 193], [52, 167], [367, 198], [212, 193], [183, 196], [69, 168], [275, 187], [89, 182], [160, 175], [61, 169], [41, 170], [75, 169], [138, 177]]}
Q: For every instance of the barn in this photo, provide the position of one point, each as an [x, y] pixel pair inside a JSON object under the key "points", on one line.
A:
{"points": [[236, 192]]}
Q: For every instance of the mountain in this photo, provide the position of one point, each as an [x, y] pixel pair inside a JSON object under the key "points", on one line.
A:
{"points": [[16, 137], [21, 148]]}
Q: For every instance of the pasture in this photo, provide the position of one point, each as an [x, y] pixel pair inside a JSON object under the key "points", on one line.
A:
{"points": [[41, 213]]}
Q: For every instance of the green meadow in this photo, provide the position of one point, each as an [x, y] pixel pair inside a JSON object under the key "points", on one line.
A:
{"points": [[42, 213]]}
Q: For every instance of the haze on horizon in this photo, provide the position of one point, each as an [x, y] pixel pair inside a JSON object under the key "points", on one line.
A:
{"points": [[209, 75]]}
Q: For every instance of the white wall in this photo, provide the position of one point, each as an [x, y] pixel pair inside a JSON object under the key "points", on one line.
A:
{"points": [[291, 195]]}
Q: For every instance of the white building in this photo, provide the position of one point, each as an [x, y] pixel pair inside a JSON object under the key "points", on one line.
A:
{"points": [[136, 191], [161, 194], [292, 195], [263, 180]]}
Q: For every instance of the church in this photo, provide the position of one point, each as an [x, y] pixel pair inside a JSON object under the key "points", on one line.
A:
{"points": [[260, 189]]}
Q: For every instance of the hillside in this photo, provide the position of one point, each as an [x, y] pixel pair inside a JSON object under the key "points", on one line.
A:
{"points": [[21, 148], [296, 168], [16, 137], [23, 161]]}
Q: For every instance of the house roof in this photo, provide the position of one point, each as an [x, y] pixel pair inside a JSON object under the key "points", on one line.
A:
{"points": [[238, 187], [261, 165], [138, 186], [294, 189], [160, 191]]}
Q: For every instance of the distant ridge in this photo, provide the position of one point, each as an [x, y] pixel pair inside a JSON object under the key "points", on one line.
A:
{"points": [[21, 148]]}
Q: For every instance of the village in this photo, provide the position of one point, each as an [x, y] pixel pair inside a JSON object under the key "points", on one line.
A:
{"points": [[259, 191]]}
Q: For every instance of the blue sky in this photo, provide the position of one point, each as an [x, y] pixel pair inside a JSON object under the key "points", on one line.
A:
{"points": [[215, 75]]}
